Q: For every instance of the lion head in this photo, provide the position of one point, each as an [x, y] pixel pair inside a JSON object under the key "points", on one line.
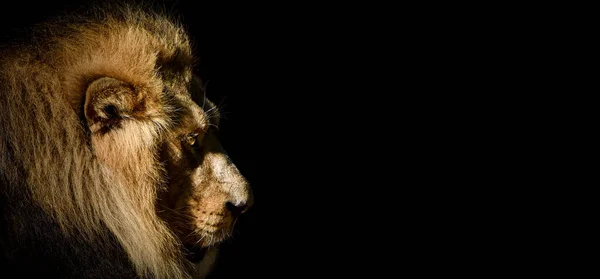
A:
{"points": [[101, 133]]}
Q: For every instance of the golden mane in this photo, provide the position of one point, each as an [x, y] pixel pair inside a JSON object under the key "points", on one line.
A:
{"points": [[46, 155]]}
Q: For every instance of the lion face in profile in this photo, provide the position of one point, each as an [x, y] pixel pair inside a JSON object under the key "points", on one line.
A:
{"points": [[199, 192], [206, 192]]}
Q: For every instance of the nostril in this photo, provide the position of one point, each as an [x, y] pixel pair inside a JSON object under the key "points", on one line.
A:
{"points": [[236, 210]]}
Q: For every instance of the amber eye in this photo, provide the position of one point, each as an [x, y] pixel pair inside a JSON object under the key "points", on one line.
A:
{"points": [[191, 139]]}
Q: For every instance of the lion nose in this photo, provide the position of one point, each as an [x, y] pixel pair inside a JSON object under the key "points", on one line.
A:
{"points": [[238, 209]]}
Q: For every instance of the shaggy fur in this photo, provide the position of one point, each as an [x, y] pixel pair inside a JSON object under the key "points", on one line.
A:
{"points": [[107, 166]]}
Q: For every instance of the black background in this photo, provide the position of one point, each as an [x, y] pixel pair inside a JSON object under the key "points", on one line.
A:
{"points": [[367, 132], [263, 65]]}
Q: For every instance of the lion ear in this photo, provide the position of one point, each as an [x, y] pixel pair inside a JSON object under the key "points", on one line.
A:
{"points": [[108, 101]]}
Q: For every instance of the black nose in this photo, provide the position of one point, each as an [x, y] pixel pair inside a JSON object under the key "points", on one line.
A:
{"points": [[236, 210]]}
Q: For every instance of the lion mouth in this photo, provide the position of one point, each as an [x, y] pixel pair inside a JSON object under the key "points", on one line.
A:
{"points": [[194, 253]]}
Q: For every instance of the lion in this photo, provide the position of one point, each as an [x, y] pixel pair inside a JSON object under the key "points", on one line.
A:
{"points": [[110, 164]]}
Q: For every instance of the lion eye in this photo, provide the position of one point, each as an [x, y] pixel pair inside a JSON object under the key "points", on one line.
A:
{"points": [[190, 139]]}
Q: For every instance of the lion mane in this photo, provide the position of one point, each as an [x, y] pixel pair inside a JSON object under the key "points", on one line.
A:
{"points": [[87, 106]]}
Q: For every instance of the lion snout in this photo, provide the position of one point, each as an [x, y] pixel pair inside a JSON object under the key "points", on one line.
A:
{"points": [[239, 197]]}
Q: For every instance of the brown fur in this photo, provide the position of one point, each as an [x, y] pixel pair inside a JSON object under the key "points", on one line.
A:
{"points": [[100, 132]]}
